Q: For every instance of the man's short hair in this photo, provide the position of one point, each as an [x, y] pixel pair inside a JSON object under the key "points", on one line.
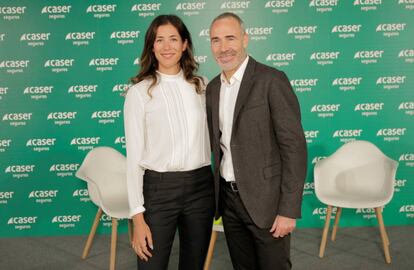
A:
{"points": [[227, 15]]}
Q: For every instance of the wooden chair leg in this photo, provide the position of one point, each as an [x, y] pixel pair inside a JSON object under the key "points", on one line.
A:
{"points": [[130, 230], [210, 252], [335, 226], [88, 244], [384, 237], [325, 231], [113, 243]]}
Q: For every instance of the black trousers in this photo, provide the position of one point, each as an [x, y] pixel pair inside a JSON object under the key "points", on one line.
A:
{"points": [[250, 247], [183, 200]]}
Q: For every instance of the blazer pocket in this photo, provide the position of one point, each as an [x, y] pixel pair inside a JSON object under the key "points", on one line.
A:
{"points": [[254, 105], [272, 170]]}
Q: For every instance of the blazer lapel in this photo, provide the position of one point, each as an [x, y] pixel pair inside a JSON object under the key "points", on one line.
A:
{"points": [[245, 87], [215, 106]]}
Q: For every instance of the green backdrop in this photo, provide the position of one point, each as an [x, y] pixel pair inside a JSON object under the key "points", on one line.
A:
{"points": [[65, 64]]}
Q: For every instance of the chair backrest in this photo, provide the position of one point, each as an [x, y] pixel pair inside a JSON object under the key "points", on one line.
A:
{"points": [[357, 167], [104, 169]]}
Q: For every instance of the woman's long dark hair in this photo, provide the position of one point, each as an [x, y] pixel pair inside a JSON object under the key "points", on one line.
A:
{"points": [[149, 63]]}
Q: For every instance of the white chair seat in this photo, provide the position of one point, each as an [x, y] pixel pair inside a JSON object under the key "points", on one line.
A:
{"points": [[354, 200]]}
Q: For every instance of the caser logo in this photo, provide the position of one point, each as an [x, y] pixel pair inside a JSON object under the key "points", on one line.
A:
{"points": [[324, 58], [346, 30], [310, 135], [35, 39], [120, 87], [20, 171], [201, 59], [369, 57], [325, 110], [346, 84], [408, 55], [190, 8], [43, 193], [408, 209], [17, 119], [259, 33], [369, 109], [85, 143], [59, 65], [2, 37], [62, 118], [407, 106], [66, 221], [391, 82], [101, 11], [391, 29], [125, 37], [231, 5], [83, 91], [43, 196], [281, 59], [5, 196], [204, 33], [346, 135], [408, 158], [318, 158], [146, 10], [12, 13], [280, 6], [22, 220], [304, 85], [103, 64], [61, 115], [368, 5], [40, 145], [4, 144], [409, 4], [14, 66], [321, 212], [105, 117], [17, 116], [82, 194], [56, 12], [302, 32], [120, 140], [323, 5], [391, 134], [64, 169], [22, 223], [38, 92], [80, 38]]}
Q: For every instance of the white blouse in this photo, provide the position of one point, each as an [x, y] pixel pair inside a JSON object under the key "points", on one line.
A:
{"points": [[167, 132]]}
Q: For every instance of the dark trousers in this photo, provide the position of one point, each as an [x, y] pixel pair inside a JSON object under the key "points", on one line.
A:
{"points": [[250, 247], [183, 200]]}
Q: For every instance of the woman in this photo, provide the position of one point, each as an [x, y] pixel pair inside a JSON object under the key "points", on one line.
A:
{"points": [[169, 178]]}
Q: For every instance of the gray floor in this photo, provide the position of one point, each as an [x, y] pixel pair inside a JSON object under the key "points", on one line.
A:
{"points": [[355, 248]]}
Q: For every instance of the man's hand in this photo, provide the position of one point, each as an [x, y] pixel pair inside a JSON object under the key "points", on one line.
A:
{"points": [[142, 238], [282, 226]]}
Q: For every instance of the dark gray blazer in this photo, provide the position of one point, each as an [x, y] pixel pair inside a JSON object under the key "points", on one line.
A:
{"points": [[268, 146]]}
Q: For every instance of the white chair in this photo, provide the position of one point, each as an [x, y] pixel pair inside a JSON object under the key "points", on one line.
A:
{"points": [[357, 175], [104, 170]]}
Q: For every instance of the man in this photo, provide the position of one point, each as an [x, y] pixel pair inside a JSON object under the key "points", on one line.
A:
{"points": [[259, 151]]}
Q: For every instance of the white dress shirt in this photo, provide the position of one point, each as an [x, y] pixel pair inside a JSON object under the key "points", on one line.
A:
{"points": [[167, 132], [228, 96]]}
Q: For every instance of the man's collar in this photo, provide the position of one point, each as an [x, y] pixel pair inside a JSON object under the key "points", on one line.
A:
{"points": [[238, 75]]}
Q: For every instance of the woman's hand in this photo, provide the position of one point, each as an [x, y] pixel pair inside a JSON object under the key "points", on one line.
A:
{"points": [[142, 238]]}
